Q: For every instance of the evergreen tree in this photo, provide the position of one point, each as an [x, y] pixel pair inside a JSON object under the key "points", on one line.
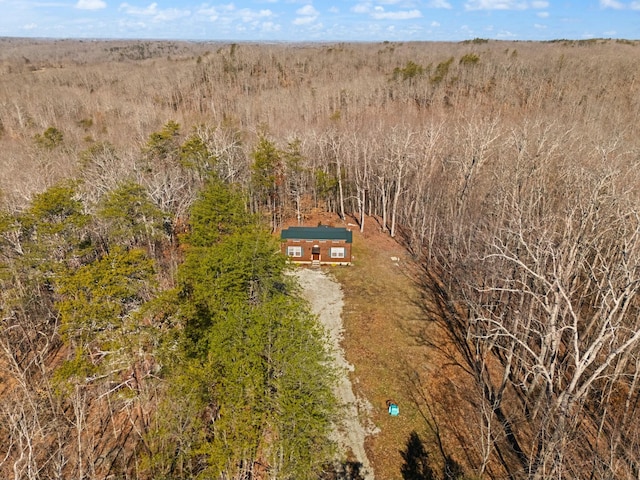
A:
{"points": [[219, 211], [132, 218], [196, 157], [252, 366], [54, 225], [98, 301], [164, 145], [267, 178]]}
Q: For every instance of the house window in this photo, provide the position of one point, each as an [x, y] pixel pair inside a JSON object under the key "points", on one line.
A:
{"points": [[294, 251], [337, 252]]}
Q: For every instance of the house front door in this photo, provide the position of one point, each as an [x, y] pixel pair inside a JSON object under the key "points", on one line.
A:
{"points": [[315, 253]]}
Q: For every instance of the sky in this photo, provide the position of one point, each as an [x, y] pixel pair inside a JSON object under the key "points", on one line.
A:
{"points": [[321, 20]]}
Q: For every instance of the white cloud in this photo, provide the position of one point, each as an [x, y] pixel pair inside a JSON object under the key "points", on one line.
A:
{"points": [[307, 10], [495, 5], [129, 25], [210, 13], [438, 4], [334, 10], [247, 15], [361, 8], [308, 15], [30, 26], [539, 4], [380, 14], [506, 34], [152, 9], [270, 27], [243, 19], [615, 4], [543, 14], [435, 24], [171, 14], [91, 4], [304, 20], [214, 13], [539, 26], [153, 12]]}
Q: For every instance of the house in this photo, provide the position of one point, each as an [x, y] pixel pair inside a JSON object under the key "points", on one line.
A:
{"points": [[322, 245]]}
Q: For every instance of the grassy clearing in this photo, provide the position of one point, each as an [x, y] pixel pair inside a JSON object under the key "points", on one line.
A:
{"points": [[380, 316]]}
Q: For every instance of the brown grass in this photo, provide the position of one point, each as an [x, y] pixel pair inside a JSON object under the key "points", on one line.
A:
{"points": [[379, 317]]}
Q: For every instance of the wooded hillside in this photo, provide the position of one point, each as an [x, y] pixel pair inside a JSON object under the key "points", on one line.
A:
{"points": [[129, 176]]}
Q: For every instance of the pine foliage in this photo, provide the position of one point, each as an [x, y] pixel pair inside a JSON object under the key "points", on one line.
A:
{"points": [[253, 364]]}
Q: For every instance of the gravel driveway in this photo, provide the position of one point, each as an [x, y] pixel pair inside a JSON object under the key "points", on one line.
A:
{"points": [[325, 297]]}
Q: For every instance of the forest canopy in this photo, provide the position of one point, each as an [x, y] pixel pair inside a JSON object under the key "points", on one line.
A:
{"points": [[141, 184]]}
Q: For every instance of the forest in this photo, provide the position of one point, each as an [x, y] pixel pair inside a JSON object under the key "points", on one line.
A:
{"points": [[150, 329]]}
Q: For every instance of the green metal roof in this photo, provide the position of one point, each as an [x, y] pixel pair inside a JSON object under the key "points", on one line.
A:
{"points": [[322, 232]]}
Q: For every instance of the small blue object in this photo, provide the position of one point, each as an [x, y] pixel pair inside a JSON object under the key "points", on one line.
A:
{"points": [[394, 411]]}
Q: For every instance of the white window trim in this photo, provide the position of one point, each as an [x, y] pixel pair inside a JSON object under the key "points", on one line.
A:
{"points": [[294, 251], [338, 252]]}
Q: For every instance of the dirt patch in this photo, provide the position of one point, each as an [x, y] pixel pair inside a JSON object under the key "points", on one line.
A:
{"points": [[381, 320], [324, 294], [378, 334]]}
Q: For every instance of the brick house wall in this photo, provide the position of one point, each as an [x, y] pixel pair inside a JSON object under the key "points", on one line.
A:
{"points": [[317, 245]]}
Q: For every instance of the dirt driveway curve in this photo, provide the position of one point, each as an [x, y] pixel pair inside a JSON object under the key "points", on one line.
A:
{"points": [[324, 294]]}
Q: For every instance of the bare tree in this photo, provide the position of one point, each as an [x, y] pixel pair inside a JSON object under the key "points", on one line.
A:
{"points": [[359, 161], [548, 318], [402, 156]]}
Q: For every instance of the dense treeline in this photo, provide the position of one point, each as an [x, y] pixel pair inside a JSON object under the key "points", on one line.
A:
{"points": [[116, 365], [509, 170], [253, 377]]}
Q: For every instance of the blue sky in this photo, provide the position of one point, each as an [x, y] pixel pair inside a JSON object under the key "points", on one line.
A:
{"points": [[322, 20]]}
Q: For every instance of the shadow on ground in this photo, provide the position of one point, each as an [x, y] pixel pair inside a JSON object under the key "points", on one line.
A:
{"points": [[344, 471], [417, 464]]}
